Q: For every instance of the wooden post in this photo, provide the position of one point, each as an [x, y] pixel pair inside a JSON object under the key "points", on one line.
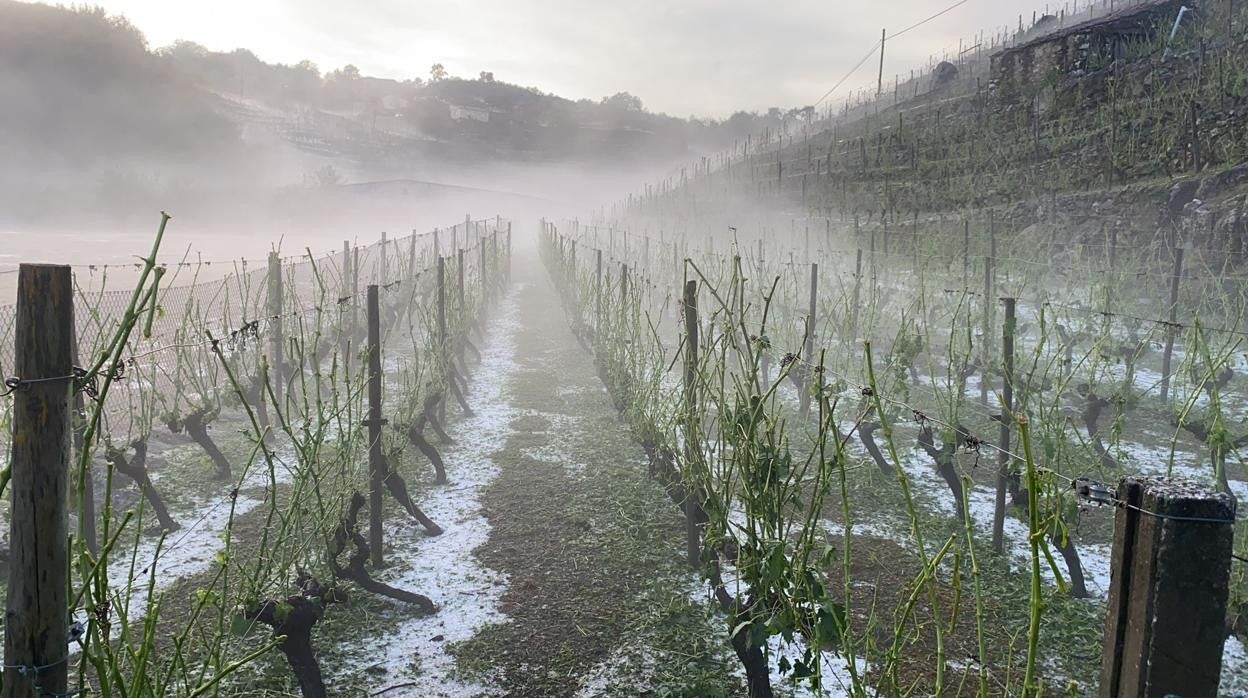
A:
{"points": [[808, 369], [443, 361], [966, 254], [376, 460], [276, 340], [1007, 418], [381, 263], [623, 286], [1169, 575], [693, 542], [598, 293], [345, 336], [879, 88], [355, 292], [496, 286], [853, 311], [1195, 137], [1168, 355], [874, 276], [989, 260], [462, 301], [411, 258], [485, 278], [36, 628]]}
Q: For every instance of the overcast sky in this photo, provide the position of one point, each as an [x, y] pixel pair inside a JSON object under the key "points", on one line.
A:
{"points": [[683, 57]]}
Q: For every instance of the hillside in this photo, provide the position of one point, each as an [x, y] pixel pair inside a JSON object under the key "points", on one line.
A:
{"points": [[100, 126], [88, 88], [1102, 122]]}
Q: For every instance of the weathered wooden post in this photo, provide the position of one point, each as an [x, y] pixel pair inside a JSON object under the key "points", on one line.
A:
{"points": [[381, 263], [376, 460], [495, 263], [344, 332], [1172, 325], [485, 278], [693, 438], [853, 311], [598, 293], [1004, 462], [461, 298], [1165, 623], [966, 254], [411, 258], [36, 628], [986, 347], [443, 359], [355, 292], [807, 371], [623, 287], [1195, 136], [276, 339]]}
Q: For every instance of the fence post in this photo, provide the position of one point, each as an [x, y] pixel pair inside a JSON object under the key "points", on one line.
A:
{"points": [[1007, 417], [37, 616], [381, 263], [623, 286], [966, 254], [853, 311], [507, 273], [485, 278], [443, 359], [376, 460], [989, 264], [598, 294], [693, 543], [276, 340], [1195, 136], [346, 298], [463, 300], [355, 292], [808, 370], [1166, 357], [411, 258], [1166, 614]]}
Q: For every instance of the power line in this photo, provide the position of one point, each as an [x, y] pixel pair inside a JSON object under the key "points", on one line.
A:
{"points": [[879, 44]]}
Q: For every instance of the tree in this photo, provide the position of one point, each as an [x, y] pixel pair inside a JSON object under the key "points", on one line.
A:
{"points": [[437, 72], [486, 76], [306, 66], [622, 101]]}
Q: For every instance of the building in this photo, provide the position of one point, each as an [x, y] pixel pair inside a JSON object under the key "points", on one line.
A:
{"points": [[1024, 70]]}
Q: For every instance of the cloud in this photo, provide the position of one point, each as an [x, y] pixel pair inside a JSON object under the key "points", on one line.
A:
{"points": [[704, 57]]}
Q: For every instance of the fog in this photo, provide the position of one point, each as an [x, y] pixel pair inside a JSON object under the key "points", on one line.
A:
{"points": [[113, 114]]}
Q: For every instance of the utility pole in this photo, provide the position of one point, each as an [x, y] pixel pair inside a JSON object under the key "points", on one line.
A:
{"points": [[879, 86]]}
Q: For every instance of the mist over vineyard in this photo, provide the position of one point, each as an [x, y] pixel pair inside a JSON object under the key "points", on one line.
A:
{"points": [[327, 375]]}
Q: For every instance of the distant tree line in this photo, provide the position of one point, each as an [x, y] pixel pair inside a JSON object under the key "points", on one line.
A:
{"points": [[81, 86]]}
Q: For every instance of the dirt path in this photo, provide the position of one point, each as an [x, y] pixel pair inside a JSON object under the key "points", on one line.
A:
{"points": [[598, 598]]}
